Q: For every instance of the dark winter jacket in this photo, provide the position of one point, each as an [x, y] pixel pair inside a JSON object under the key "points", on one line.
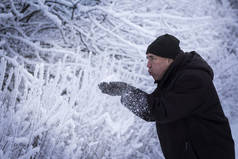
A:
{"points": [[189, 118]]}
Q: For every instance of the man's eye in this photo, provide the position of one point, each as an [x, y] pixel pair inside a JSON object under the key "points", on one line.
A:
{"points": [[151, 58]]}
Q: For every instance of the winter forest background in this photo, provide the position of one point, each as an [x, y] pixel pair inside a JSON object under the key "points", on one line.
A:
{"points": [[54, 53]]}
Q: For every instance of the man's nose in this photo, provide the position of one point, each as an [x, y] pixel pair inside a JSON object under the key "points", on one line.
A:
{"points": [[148, 64]]}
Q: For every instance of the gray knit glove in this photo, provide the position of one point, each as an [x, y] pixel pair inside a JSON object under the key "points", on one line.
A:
{"points": [[115, 88]]}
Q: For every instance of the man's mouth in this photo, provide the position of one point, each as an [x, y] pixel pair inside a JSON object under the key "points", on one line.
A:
{"points": [[150, 72]]}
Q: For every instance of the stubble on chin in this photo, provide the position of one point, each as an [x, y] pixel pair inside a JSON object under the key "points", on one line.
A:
{"points": [[154, 77]]}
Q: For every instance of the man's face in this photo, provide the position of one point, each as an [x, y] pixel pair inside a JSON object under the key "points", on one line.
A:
{"points": [[157, 65]]}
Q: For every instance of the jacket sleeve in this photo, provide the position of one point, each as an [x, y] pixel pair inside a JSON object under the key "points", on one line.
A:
{"points": [[136, 101], [187, 95]]}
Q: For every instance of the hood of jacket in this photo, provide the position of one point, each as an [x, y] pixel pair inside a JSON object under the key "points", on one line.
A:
{"points": [[186, 61]]}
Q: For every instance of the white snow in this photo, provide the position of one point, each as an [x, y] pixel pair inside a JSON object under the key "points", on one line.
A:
{"points": [[111, 78], [52, 60], [234, 129]]}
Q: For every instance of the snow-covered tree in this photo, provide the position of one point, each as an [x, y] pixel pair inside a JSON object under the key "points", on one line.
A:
{"points": [[54, 53]]}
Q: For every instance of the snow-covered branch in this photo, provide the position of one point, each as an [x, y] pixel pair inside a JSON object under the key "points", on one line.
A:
{"points": [[53, 54]]}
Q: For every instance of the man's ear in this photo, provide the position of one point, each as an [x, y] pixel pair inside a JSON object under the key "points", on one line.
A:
{"points": [[170, 60]]}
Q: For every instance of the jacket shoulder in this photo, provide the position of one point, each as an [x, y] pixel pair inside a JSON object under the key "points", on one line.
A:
{"points": [[190, 77]]}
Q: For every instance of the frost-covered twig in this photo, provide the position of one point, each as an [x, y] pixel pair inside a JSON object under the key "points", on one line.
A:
{"points": [[14, 10], [6, 15]]}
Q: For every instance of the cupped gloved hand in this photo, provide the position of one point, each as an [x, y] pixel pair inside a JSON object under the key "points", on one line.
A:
{"points": [[114, 88]]}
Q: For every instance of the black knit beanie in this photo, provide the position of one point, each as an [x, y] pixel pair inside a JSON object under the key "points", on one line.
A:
{"points": [[165, 46]]}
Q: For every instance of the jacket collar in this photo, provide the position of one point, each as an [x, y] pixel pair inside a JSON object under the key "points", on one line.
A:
{"points": [[172, 68]]}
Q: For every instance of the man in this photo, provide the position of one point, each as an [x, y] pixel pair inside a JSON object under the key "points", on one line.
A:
{"points": [[185, 106]]}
